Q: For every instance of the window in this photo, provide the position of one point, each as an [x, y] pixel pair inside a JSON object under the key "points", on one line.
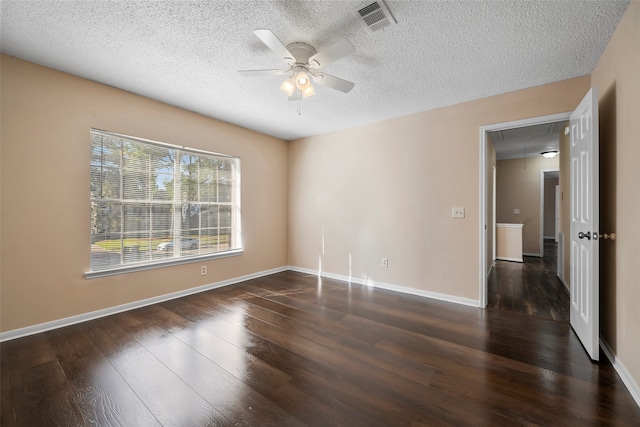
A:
{"points": [[154, 204]]}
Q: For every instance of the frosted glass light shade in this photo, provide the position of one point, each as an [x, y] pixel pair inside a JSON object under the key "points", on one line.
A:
{"points": [[302, 80], [310, 91], [288, 86]]}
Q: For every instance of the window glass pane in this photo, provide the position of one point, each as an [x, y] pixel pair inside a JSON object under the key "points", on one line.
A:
{"points": [[225, 181], [135, 185], [161, 219], [105, 151], [208, 180], [225, 216], [105, 182], [136, 218], [151, 202], [208, 215], [106, 218], [225, 239]]}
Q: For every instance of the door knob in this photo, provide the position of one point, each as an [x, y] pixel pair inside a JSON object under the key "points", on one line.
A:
{"points": [[582, 235], [605, 236]]}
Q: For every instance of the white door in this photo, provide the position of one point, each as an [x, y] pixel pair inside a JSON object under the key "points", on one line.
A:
{"points": [[584, 223]]}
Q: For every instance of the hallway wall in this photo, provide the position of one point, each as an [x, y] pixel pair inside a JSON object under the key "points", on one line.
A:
{"points": [[518, 187]]}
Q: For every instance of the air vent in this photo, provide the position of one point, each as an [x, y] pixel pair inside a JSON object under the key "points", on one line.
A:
{"points": [[375, 15]]}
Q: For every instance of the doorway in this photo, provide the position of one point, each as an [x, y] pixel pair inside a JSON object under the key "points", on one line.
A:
{"points": [[488, 214]]}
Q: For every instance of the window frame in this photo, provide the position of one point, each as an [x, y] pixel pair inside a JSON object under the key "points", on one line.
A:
{"points": [[177, 258]]}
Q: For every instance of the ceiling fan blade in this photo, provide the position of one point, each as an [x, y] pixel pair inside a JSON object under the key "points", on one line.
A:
{"points": [[333, 82], [274, 44], [338, 50], [259, 73]]}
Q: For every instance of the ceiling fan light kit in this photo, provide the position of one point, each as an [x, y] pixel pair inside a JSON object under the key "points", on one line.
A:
{"points": [[301, 59], [288, 86]]}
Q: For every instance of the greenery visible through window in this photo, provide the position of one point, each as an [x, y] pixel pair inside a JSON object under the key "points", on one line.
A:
{"points": [[154, 203]]}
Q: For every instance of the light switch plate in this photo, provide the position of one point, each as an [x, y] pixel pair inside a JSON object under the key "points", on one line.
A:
{"points": [[516, 211], [457, 212]]}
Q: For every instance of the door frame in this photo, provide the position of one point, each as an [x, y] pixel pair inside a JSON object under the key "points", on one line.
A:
{"points": [[542, 193], [484, 226]]}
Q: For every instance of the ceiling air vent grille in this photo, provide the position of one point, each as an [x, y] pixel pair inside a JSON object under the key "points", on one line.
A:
{"points": [[375, 15]]}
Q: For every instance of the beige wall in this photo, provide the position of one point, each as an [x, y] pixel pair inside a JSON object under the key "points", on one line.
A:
{"points": [[518, 187], [387, 189], [549, 223], [46, 117], [617, 77]]}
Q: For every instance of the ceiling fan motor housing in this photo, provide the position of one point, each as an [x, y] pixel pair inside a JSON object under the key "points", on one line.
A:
{"points": [[301, 52]]}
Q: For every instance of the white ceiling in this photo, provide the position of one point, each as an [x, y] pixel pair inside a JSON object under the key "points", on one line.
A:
{"points": [[528, 141], [187, 53]]}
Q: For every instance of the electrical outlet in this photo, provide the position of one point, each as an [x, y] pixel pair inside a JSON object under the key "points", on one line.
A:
{"points": [[203, 270], [516, 211], [385, 262], [457, 212]]}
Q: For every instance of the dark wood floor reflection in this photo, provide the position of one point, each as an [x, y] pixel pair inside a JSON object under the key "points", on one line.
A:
{"points": [[290, 349], [531, 287]]}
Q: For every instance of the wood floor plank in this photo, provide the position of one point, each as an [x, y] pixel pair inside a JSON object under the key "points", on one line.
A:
{"points": [[168, 398], [238, 402], [7, 412], [314, 411], [98, 391], [109, 337], [42, 396], [285, 313], [363, 379], [329, 383], [530, 287], [327, 337], [295, 349], [511, 379], [254, 372], [26, 352]]}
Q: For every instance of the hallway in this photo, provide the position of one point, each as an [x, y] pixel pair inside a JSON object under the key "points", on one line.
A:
{"points": [[530, 287]]}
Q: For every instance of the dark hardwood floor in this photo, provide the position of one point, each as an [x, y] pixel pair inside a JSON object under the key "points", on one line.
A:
{"points": [[290, 349], [531, 287]]}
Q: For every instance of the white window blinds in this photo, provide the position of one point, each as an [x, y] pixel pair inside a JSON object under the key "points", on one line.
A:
{"points": [[154, 203]]}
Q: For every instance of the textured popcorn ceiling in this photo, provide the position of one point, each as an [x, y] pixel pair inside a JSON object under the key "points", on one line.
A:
{"points": [[186, 53], [528, 141]]}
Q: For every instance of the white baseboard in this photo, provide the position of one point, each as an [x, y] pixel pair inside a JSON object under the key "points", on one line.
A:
{"points": [[626, 377], [510, 259], [566, 287], [493, 266], [60, 323], [389, 286], [532, 254]]}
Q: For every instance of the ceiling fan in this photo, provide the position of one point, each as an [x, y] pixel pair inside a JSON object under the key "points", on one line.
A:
{"points": [[303, 60]]}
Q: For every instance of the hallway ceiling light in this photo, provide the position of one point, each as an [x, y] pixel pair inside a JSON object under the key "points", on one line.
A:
{"points": [[549, 154]]}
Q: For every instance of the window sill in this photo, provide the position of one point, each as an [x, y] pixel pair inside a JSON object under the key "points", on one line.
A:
{"points": [[152, 266]]}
